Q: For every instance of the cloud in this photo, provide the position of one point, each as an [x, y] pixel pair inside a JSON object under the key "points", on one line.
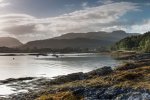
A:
{"points": [[21, 29], [141, 27], [84, 4], [147, 4], [103, 17], [3, 3], [105, 1]]}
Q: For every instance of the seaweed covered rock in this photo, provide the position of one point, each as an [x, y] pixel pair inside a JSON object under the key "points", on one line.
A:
{"points": [[68, 78], [127, 66], [101, 71], [112, 93], [80, 76]]}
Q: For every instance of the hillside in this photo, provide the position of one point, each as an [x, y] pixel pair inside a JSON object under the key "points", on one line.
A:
{"points": [[9, 42], [80, 40], [140, 43]]}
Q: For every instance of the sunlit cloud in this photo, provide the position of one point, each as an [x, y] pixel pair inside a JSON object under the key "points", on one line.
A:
{"points": [[3, 3], [141, 27]]}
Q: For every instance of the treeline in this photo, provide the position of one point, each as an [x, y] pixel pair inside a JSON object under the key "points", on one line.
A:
{"points": [[9, 50], [138, 43], [49, 50]]}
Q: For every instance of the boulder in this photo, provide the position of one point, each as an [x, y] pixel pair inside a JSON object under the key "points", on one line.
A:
{"points": [[101, 71], [68, 78]]}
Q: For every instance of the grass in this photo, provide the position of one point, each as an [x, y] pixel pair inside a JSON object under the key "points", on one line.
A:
{"points": [[133, 78], [60, 96]]}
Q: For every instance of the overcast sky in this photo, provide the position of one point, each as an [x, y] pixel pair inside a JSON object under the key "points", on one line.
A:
{"points": [[41, 19]]}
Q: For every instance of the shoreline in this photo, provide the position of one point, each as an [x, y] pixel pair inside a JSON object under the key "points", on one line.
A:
{"points": [[46, 54]]}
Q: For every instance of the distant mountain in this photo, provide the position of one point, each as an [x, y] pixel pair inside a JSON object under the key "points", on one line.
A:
{"points": [[80, 40], [110, 36], [9, 42], [139, 43]]}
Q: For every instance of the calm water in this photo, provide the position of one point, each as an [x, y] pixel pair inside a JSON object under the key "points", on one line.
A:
{"points": [[49, 66]]}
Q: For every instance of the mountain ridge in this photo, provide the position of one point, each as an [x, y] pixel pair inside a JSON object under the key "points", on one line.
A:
{"points": [[80, 40]]}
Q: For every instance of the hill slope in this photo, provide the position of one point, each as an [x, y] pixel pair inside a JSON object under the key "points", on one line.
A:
{"points": [[80, 40], [9, 42]]}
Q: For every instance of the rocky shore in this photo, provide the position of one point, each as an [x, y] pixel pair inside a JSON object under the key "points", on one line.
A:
{"points": [[128, 81]]}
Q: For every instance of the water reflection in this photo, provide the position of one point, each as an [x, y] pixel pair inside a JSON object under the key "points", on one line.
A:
{"points": [[5, 90], [49, 66]]}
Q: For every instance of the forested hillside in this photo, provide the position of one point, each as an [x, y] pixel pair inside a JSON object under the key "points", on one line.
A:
{"points": [[138, 43]]}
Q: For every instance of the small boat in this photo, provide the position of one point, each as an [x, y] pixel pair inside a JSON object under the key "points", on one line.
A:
{"points": [[39, 54], [54, 55]]}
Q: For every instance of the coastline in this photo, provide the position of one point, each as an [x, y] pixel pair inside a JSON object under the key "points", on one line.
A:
{"points": [[130, 80]]}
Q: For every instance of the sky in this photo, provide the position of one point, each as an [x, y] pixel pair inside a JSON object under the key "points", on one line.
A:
{"points": [[29, 20]]}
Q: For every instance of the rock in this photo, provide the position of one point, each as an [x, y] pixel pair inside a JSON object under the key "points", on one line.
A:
{"points": [[79, 91], [101, 71], [126, 66], [16, 80], [111, 93], [68, 78], [133, 95]]}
